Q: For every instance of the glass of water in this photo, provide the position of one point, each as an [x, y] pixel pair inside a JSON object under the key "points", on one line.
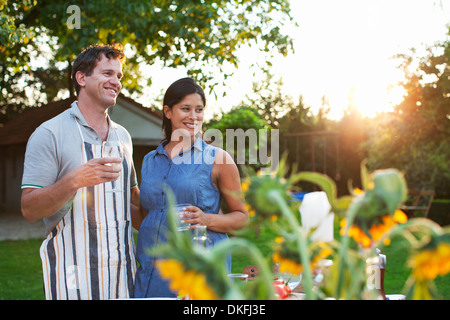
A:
{"points": [[113, 149], [200, 237], [238, 277], [179, 209]]}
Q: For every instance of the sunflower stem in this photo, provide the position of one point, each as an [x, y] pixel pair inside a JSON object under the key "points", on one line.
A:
{"points": [[301, 243], [234, 244], [352, 211]]}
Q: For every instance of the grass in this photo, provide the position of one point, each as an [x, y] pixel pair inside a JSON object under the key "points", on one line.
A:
{"points": [[21, 270]]}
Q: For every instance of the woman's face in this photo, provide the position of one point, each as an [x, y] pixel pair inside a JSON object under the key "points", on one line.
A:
{"points": [[186, 116]]}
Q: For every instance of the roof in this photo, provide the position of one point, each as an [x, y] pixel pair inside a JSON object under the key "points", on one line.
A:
{"points": [[19, 129]]}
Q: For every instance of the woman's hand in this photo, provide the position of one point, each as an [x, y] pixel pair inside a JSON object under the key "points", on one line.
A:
{"points": [[196, 216]]}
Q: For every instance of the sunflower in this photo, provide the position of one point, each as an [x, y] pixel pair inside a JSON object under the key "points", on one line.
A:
{"points": [[289, 259], [375, 207], [186, 282], [258, 188], [378, 227], [430, 263], [259, 203], [427, 263]]}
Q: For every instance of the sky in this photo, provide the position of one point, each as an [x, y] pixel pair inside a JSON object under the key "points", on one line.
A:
{"points": [[343, 50]]}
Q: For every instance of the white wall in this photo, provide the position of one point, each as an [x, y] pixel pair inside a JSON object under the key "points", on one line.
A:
{"points": [[144, 128]]}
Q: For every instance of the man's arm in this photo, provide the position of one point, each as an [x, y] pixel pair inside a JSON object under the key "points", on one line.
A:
{"points": [[38, 203]]}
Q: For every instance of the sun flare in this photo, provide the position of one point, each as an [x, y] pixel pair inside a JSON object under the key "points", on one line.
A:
{"points": [[377, 90], [371, 100]]}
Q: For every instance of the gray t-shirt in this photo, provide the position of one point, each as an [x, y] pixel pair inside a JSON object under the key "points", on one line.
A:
{"points": [[55, 149]]}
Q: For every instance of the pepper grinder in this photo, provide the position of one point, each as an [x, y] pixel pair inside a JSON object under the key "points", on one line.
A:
{"points": [[378, 263], [382, 265]]}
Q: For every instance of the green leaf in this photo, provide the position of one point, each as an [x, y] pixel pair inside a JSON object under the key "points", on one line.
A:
{"points": [[323, 181]]}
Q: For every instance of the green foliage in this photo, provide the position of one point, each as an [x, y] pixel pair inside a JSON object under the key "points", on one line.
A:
{"points": [[193, 34], [12, 32], [269, 100], [238, 122], [353, 132], [415, 137], [242, 117], [15, 39]]}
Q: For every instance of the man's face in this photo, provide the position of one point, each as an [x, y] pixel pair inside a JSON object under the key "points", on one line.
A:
{"points": [[103, 85]]}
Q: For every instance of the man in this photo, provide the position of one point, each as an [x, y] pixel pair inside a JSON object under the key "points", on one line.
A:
{"points": [[89, 249]]}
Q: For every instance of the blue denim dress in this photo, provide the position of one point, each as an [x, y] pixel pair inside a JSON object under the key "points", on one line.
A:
{"points": [[189, 175]]}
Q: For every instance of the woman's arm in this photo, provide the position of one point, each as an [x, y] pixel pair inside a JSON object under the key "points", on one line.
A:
{"points": [[137, 212], [226, 178]]}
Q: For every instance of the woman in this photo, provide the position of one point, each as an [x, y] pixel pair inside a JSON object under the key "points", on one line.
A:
{"points": [[197, 173]]}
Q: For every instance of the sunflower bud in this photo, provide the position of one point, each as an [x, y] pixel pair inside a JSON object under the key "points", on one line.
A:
{"points": [[390, 186], [258, 194]]}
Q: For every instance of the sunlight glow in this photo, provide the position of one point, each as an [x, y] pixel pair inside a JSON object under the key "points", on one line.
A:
{"points": [[378, 94]]}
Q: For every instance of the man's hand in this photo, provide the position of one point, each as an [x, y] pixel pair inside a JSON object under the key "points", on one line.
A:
{"points": [[97, 171]]}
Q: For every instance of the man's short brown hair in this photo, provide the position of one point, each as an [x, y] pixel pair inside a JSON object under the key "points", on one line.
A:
{"points": [[88, 58]]}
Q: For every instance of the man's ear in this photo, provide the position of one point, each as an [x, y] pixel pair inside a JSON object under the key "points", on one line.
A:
{"points": [[167, 111], [81, 78]]}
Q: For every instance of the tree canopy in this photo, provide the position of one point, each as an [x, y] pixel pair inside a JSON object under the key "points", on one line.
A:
{"points": [[416, 136], [190, 33]]}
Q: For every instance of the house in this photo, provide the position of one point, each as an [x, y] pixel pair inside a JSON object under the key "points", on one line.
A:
{"points": [[143, 124]]}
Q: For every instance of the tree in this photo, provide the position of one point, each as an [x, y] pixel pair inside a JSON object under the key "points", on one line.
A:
{"points": [[13, 61], [260, 109], [353, 133], [416, 136], [191, 33], [268, 99], [243, 123], [12, 32]]}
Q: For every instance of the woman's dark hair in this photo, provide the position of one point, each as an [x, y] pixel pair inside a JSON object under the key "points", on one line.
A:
{"points": [[88, 58], [174, 94]]}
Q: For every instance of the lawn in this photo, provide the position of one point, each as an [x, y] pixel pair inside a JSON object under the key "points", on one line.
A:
{"points": [[21, 271]]}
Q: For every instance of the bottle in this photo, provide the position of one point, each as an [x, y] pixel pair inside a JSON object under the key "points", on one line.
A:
{"points": [[376, 267]]}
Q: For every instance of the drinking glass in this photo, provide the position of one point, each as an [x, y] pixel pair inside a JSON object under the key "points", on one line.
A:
{"points": [[113, 149], [180, 214], [292, 280], [238, 277], [200, 238]]}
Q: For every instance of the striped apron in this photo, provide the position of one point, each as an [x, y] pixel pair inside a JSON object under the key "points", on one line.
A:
{"points": [[90, 253]]}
